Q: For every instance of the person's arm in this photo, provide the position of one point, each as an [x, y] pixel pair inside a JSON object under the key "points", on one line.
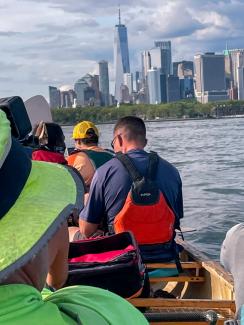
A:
{"points": [[87, 228], [58, 249], [94, 210]]}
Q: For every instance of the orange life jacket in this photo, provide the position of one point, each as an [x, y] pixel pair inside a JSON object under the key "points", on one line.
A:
{"points": [[146, 212]]}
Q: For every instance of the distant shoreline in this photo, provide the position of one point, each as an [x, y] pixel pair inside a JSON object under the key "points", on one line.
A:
{"points": [[173, 119]]}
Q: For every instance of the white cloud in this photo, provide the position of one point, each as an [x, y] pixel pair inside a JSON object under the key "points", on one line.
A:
{"points": [[58, 41]]}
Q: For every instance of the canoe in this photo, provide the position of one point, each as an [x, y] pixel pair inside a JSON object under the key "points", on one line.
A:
{"points": [[203, 286]]}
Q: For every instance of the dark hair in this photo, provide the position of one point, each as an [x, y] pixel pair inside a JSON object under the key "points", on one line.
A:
{"points": [[92, 138], [134, 127], [55, 135]]}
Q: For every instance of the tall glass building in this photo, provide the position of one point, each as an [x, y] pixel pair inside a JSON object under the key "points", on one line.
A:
{"points": [[104, 82], [161, 57], [121, 57]]}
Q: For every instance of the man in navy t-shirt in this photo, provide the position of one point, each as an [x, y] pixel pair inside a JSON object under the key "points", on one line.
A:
{"points": [[111, 182]]}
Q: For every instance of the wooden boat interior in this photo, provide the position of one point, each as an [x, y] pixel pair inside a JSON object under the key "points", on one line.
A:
{"points": [[204, 285]]}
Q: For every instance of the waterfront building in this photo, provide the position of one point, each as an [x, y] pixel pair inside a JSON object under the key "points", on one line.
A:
{"points": [[121, 56], [67, 96], [90, 96], [80, 87], [146, 64], [54, 97], [87, 86], [128, 81], [153, 77], [104, 82], [234, 64], [93, 82], [137, 81], [183, 69], [186, 87], [161, 56], [124, 94], [173, 88], [163, 87], [210, 84]]}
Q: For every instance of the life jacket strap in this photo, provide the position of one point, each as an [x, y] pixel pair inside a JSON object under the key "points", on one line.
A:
{"points": [[132, 170]]}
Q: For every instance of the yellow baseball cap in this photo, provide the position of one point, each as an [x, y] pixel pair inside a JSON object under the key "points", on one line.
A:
{"points": [[80, 130]]}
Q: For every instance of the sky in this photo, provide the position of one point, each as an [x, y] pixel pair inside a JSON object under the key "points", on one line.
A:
{"points": [[56, 42]]}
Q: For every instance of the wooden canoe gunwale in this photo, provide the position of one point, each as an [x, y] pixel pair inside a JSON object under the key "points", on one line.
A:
{"points": [[204, 285]]}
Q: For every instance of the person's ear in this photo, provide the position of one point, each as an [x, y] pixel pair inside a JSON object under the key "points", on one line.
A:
{"points": [[120, 140], [145, 142]]}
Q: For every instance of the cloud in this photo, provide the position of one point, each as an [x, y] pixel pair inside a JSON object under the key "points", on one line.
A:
{"points": [[58, 41], [8, 33]]}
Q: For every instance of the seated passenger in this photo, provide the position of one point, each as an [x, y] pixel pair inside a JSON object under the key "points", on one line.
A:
{"points": [[112, 183], [87, 156], [36, 199], [232, 258], [51, 143]]}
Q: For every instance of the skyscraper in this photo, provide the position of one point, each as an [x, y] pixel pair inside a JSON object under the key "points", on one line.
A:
{"points": [[173, 88], [146, 65], [161, 56], [54, 97], [128, 81], [210, 82], [80, 86], [121, 57], [153, 76], [104, 82], [236, 62], [137, 81]]}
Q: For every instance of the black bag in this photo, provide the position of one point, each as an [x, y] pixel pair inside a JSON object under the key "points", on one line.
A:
{"points": [[123, 274], [15, 110]]}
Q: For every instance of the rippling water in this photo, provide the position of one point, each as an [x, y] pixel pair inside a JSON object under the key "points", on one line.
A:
{"points": [[210, 157]]}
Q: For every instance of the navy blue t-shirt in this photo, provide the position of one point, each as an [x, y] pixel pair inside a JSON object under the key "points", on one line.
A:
{"points": [[111, 184]]}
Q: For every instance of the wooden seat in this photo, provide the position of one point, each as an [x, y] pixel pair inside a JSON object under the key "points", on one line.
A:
{"points": [[190, 274]]}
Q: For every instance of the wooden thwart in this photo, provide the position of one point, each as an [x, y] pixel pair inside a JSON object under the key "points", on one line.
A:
{"points": [[180, 278], [183, 303], [184, 265]]}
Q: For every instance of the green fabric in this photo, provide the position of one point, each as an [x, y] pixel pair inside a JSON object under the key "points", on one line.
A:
{"points": [[22, 304], [5, 135], [41, 201], [98, 157]]}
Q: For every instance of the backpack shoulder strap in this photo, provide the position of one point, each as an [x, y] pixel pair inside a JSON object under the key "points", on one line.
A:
{"points": [[152, 165], [129, 166]]}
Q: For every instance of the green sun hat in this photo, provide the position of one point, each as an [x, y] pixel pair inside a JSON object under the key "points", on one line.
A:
{"points": [[35, 199]]}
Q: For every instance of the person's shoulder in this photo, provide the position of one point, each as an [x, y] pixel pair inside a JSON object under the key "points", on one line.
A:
{"points": [[165, 164], [111, 164]]}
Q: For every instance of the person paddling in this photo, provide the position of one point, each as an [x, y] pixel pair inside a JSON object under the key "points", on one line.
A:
{"points": [[87, 156], [51, 143], [34, 246], [110, 194]]}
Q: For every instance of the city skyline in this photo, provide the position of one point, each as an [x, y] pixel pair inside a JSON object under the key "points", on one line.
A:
{"points": [[54, 42]]}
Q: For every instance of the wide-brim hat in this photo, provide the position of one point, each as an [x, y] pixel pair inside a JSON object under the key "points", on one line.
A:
{"points": [[81, 130], [35, 199]]}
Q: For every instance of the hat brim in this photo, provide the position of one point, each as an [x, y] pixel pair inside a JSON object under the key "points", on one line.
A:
{"points": [[48, 197]]}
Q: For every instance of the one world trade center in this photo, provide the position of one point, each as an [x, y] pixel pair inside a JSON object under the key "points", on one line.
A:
{"points": [[121, 57]]}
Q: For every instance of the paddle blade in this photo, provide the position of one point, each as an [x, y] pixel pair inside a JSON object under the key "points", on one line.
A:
{"points": [[38, 110]]}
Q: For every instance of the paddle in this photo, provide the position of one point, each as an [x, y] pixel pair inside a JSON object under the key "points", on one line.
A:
{"points": [[38, 110], [186, 229]]}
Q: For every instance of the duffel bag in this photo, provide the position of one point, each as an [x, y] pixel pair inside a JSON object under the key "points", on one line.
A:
{"points": [[113, 263]]}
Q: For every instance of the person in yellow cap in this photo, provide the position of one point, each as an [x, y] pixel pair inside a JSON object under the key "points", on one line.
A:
{"points": [[87, 156], [34, 246]]}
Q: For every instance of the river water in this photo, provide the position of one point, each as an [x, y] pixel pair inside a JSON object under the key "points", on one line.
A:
{"points": [[210, 157]]}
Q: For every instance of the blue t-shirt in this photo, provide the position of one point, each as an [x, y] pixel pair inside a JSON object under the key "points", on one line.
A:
{"points": [[111, 184]]}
